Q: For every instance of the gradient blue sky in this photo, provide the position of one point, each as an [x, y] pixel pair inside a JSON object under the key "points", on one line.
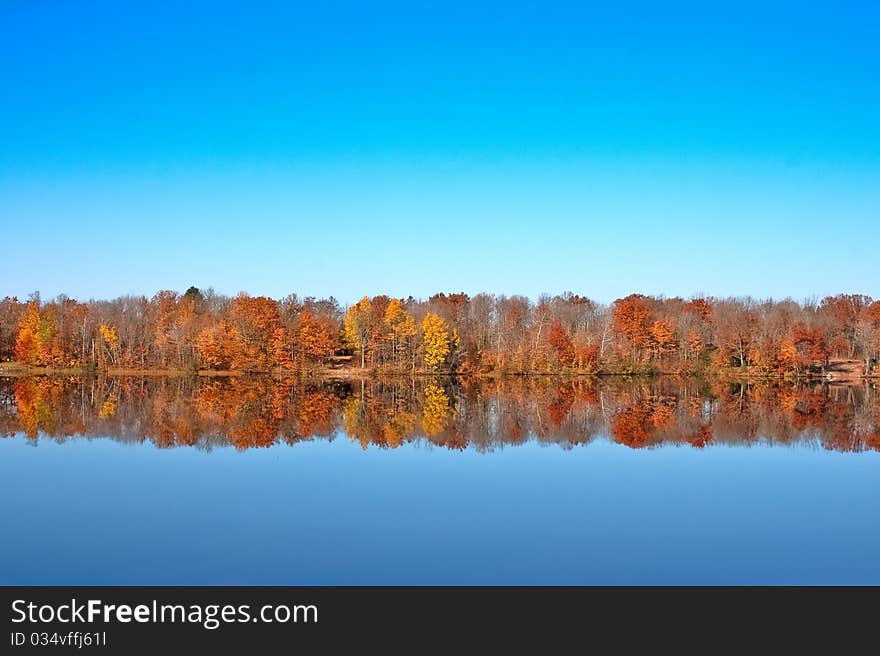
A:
{"points": [[404, 148]]}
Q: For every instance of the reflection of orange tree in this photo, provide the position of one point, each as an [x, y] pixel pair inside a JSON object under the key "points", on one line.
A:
{"points": [[636, 425], [253, 431], [788, 400], [212, 402], [631, 426], [314, 413], [559, 408], [53, 406], [260, 406], [249, 411], [843, 428], [663, 412], [809, 409], [36, 400], [701, 438], [550, 406], [170, 418], [565, 413]]}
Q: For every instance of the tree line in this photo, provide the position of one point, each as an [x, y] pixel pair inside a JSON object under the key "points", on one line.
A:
{"points": [[447, 333]]}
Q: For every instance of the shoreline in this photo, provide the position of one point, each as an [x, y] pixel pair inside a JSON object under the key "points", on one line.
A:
{"points": [[18, 370]]}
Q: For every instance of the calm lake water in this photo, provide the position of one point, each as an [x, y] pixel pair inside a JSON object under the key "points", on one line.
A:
{"points": [[258, 481]]}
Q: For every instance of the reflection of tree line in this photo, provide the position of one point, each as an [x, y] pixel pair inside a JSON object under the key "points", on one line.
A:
{"points": [[255, 412]]}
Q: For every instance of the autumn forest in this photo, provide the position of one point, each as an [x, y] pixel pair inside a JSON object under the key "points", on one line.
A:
{"points": [[480, 335]]}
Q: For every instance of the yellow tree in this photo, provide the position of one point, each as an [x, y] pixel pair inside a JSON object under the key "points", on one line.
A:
{"points": [[110, 338], [436, 341], [356, 327], [399, 326]]}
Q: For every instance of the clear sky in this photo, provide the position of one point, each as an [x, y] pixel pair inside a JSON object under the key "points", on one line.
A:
{"points": [[407, 148]]}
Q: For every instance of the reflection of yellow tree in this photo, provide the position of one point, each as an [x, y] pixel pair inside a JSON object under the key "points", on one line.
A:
{"points": [[372, 418], [108, 408], [436, 409], [398, 425], [354, 420]]}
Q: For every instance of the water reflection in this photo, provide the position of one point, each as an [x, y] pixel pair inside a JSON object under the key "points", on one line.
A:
{"points": [[260, 412]]}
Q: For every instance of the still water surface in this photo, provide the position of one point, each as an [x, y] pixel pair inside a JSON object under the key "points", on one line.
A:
{"points": [[162, 481]]}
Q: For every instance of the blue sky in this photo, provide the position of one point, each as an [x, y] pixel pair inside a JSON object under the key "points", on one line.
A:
{"points": [[405, 148]]}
